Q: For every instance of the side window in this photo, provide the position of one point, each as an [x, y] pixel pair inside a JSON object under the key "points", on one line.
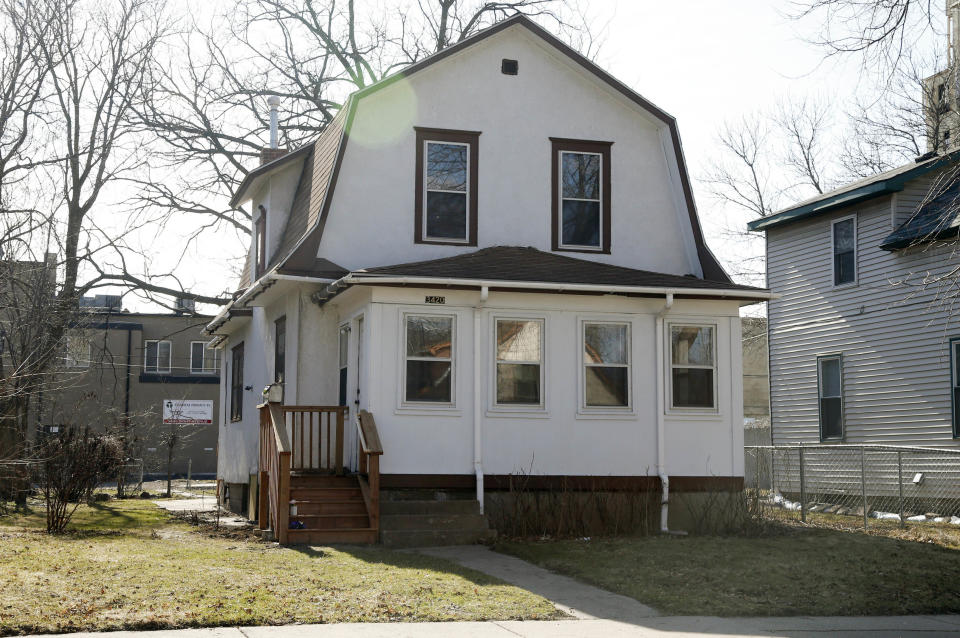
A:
{"points": [[693, 363], [830, 384], [260, 261], [428, 360], [197, 352], [606, 361], [955, 384], [156, 356], [236, 383], [446, 187], [581, 195], [519, 359], [844, 243], [280, 349], [344, 348]]}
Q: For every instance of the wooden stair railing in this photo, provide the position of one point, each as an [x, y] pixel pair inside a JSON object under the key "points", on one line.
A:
{"points": [[369, 452], [304, 439], [274, 478]]}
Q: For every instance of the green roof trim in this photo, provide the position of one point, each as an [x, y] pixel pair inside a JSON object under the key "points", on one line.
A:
{"points": [[890, 182]]}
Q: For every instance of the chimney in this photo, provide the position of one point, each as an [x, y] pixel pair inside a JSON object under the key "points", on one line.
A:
{"points": [[269, 154]]}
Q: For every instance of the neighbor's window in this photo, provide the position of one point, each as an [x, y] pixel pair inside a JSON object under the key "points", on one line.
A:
{"points": [[429, 359], [581, 199], [203, 360], [78, 352], [342, 363], [606, 360], [156, 356], [519, 358], [446, 198], [693, 366], [844, 251], [955, 384], [236, 383], [830, 383], [279, 349]]}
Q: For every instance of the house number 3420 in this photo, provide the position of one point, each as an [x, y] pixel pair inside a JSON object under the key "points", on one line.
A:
{"points": [[434, 299]]}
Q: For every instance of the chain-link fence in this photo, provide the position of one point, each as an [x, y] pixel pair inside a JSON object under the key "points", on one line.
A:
{"points": [[862, 481]]}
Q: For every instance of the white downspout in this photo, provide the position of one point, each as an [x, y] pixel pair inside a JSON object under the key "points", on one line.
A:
{"points": [[661, 391], [477, 390]]}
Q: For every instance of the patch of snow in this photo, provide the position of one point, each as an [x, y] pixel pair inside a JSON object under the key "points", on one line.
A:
{"points": [[919, 518], [885, 516]]}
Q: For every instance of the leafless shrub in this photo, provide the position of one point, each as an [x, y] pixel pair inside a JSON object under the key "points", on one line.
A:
{"points": [[68, 469]]}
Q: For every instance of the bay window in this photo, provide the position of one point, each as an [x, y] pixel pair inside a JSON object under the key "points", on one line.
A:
{"points": [[519, 359], [606, 361], [428, 358], [693, 367]]}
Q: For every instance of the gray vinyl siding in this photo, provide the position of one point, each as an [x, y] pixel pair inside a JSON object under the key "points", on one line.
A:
{"points": [[893, 332]]}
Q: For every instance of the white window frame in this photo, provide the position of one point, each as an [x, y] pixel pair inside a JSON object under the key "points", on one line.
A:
{"points": [[159, 370], [692, 323], [580, 247], [838, 357], [582, 381], [207, 351], [519, 408], [466, 193], [833, 253], [69, 361], [427, 405]]}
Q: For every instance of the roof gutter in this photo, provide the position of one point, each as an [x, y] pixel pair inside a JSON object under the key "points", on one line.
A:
{"points": [[356, 279], [255, 291]]}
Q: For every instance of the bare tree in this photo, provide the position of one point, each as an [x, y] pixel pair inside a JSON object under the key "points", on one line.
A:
{"points": [[208, 111]]}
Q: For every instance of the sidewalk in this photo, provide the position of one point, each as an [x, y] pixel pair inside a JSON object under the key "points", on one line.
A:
{"points": [[660, 627]]}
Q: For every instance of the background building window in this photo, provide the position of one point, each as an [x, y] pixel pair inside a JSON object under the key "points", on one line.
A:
{"points": [[581, 195], [157, 356], [830, 383], [844, 251], [446, 195], [955, 383], [236, 383], [280, 350], [78, 352], [519, 357], [693, 366], [203, 360], [429, 359], [606, 359]]}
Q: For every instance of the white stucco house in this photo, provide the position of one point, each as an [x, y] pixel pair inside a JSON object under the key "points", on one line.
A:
{"points": [[494, 256]]}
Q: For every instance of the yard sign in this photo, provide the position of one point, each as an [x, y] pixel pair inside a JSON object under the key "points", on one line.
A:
{"points": [[187, 412]]}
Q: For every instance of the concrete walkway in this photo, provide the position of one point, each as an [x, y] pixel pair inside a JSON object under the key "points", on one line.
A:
{"points": [[658, 627], [582, 601]]}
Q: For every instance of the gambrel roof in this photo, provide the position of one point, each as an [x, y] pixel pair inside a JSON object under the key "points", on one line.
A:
{"points": [[301, 237]]}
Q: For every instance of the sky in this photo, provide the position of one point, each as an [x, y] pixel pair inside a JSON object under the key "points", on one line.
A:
{"points": [[704, 62]]}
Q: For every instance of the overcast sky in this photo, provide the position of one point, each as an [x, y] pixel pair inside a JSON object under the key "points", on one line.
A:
{"points": [[702, 61]]}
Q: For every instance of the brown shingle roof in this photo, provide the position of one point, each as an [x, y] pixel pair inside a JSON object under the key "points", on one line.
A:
{"points": [[515, 263]]}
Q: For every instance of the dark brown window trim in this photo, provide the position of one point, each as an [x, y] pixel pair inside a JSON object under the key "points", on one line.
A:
{"points": [[471, 138], [236, 383], [558, 144]]}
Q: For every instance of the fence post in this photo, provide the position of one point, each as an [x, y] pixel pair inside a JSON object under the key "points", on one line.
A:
{"points": [[803, 490], [903, 523], [863, 484], [140, 486], [189, 471]]}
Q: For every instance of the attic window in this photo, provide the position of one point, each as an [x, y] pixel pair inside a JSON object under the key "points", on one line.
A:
{"points": [[509, 67], [581, 195]]}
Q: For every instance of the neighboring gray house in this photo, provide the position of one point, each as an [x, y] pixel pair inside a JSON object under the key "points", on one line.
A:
{"points": [[864, 333]]}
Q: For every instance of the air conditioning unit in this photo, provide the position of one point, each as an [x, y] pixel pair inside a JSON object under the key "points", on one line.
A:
{"points": [[184, 305]]}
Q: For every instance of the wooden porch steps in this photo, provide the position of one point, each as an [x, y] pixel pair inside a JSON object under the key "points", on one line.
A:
{"points": [[331, 509]]}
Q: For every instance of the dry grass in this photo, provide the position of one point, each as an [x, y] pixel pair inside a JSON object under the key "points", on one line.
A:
{"points": [[129, 566], [784, 571]]}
